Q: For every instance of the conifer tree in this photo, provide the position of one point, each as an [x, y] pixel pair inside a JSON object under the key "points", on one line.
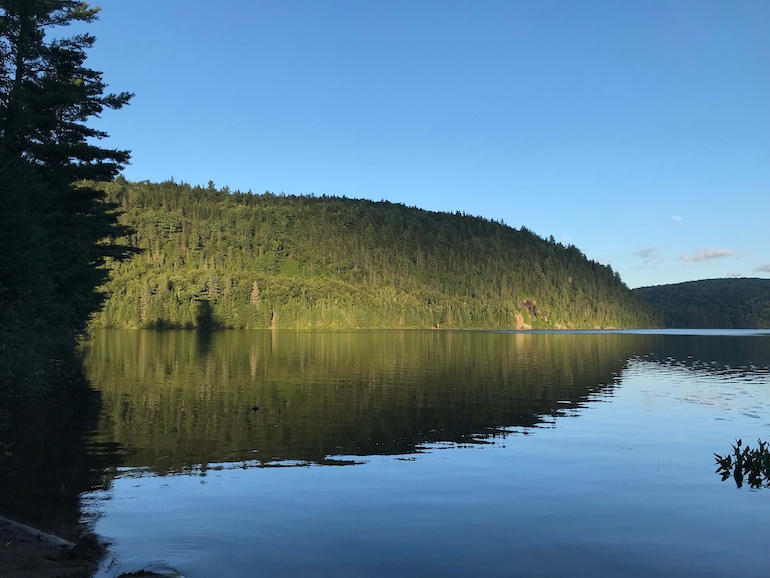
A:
{"points": [[52, 227]]}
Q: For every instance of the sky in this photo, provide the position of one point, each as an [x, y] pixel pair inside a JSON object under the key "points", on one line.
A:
{"points": [[638, 131]]}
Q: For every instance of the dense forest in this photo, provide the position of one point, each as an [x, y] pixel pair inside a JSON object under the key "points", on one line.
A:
{"points": [[215, 258], [712, 303]]}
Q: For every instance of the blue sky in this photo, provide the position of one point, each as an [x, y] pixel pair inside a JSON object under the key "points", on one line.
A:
{"points": [[638, 131]]}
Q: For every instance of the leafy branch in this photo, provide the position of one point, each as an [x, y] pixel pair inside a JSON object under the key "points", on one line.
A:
{"points": [[753, 465]]}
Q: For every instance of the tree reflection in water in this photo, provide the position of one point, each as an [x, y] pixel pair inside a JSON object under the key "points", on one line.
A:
{"points": [[48, 458], [175, 401]]}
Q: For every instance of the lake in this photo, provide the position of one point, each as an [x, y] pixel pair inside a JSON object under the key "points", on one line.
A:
{"points": [[426, 453]]}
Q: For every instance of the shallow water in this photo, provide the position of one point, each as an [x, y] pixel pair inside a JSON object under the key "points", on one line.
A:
{"points": [[428, 453]]}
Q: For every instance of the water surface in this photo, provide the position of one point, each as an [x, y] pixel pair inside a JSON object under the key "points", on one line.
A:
{"points": [[428, 453]]}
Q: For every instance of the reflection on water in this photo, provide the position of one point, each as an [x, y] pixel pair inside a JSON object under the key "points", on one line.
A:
{"points": [[477, 453], [181, 399], [45, 462], [739, 353], [173, 401]]}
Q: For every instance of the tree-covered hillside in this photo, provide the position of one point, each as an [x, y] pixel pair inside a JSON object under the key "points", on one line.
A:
{"points": [[713, 303], [220, 259]]}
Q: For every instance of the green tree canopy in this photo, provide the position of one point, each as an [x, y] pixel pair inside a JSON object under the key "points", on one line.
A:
{"points": [[215, 258], [712, 303]]}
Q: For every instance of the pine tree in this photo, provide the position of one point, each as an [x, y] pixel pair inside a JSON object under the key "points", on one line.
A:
{"points": [[54, 231]]}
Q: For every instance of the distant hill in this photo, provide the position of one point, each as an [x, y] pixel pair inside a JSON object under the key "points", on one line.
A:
{"points": [[215, 258], [712, 303]]}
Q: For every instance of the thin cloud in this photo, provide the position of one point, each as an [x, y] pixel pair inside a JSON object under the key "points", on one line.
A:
{"points": [[646, 253], [735, 274], [706, 255], [676, 218], [649, 256], [765, 268]]}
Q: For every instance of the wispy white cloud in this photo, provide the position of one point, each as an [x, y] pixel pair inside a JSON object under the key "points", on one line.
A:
{"points": [[765, 267], [735, 274], [646, 253], [706, 254], [650, 257], [676, 218]]}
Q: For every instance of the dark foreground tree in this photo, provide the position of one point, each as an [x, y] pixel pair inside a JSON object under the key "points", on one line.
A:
{"points": [[55, 233]]}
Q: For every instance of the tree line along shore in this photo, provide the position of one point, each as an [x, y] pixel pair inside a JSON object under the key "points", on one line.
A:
{"points": [[214, 258]]}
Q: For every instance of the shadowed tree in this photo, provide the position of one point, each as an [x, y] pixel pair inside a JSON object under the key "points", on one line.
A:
{"points": [[55, 233]]}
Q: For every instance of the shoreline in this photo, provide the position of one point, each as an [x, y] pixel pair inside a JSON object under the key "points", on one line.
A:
{"points": [[26, 552]]}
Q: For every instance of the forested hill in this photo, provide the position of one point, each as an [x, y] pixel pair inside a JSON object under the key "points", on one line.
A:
{"points": [[220, 259], [713, 303]]}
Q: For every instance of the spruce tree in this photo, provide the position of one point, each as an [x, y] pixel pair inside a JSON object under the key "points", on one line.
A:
{"points": [[54, 231]]}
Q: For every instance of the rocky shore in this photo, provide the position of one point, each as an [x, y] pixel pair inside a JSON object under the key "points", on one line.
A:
{"points": [[28, 553]]}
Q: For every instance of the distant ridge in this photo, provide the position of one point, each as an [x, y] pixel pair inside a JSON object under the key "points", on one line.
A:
{"points": [[712, 303], [215, 258]]}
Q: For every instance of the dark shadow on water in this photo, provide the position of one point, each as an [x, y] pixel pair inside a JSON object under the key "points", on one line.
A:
{"points": [[707, 353], [205, 338], [47, 458]]}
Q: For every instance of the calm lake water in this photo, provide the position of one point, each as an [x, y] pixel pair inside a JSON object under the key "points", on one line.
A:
{"points": [[435, 453]]}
